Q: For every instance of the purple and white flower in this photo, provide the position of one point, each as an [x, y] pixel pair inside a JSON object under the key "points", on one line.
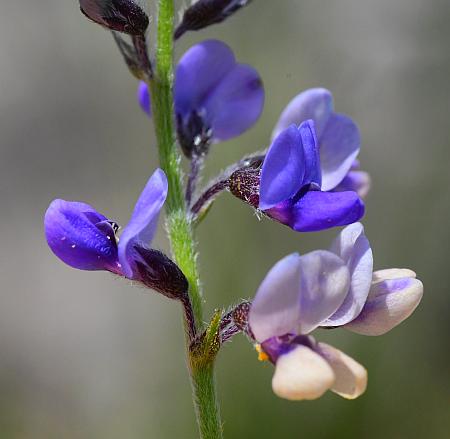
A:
{"points": [[216, 98], [85, 239], [327, 289]]}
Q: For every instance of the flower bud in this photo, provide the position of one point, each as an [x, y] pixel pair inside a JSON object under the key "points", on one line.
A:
{"points": [[160, 273], [117, 15], [245, 182], [204, 13]]}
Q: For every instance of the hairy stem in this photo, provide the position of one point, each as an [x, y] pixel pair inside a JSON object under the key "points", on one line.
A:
{"points": [[206, 405], [196, 165], [178, 224]]}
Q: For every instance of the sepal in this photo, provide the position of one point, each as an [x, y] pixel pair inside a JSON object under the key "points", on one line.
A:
{"points": [[156, 271]]}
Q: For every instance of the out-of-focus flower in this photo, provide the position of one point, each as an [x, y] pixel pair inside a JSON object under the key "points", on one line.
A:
{"points": [[216, 98], [204, 13], [85, 239], [288, 187], [117, 15], [326, 289]]}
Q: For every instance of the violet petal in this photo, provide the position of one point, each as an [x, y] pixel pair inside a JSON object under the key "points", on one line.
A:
{"points": [[339, 145], [357, 181], [283, 169], [235, 104], [199, 71], [313, 173], [315, 104], [72, 234], [317, 210], [143, 222]]}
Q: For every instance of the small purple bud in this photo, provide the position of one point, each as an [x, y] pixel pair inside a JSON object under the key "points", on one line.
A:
{"points": [[158, 272], [204, 13], [117, 15]]}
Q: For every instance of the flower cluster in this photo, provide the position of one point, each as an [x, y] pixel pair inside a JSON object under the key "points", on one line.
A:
{"points": [[308, 179]]}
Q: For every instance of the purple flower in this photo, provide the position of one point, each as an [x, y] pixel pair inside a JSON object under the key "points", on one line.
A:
{"points": [[289, 185], [85, 239], [216, 98], [327, 289], [338, 136]]}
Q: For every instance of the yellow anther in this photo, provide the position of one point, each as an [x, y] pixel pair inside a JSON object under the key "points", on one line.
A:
{"points": [[262, 356]]}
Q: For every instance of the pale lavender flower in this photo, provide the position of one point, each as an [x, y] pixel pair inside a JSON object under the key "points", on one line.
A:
{"points": [[327, 289]]}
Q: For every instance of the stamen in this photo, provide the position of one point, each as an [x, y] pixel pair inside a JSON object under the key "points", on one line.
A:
{"points": [[262, 356]]}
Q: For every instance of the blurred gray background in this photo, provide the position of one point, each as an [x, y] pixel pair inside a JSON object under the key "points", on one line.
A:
{"points": [[84, 355]]}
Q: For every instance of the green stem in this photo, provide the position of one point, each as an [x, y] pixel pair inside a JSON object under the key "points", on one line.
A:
{"points": [[178, 225]]}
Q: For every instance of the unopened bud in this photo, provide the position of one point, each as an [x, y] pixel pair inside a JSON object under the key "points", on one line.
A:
{"points": [[160, 273], [245, 182], [118, 15], [204, 13]]}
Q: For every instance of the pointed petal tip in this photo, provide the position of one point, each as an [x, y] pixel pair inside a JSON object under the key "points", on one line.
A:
{"points": [[302, 374]]}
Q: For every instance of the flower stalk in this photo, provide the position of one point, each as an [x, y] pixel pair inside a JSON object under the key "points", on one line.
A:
{"points": [[179, 227]]}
